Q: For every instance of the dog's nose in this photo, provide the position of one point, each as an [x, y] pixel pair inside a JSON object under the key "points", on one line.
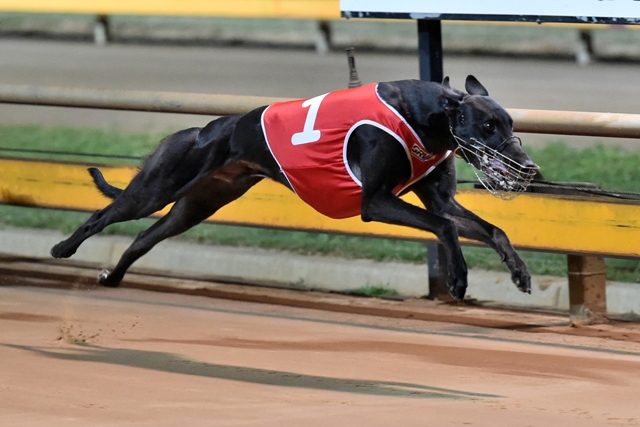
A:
{"points": [[529, 164]]}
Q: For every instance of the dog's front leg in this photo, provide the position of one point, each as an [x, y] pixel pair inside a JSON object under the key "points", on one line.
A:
{"points": [[383, 165], [387, 208], [437, 192], [471, 226]]}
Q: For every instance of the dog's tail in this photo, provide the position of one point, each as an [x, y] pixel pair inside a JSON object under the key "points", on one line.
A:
{"points": [[105, 188]]}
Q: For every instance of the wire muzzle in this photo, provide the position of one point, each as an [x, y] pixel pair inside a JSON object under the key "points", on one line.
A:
{"points": [[500, 175]]}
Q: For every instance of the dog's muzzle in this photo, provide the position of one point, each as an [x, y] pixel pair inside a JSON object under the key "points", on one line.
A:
{"points": [[500, 175]]}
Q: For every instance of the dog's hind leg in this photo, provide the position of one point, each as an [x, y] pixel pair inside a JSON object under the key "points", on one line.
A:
{"points": [[178, 163], [197, 205], [123, 209]]}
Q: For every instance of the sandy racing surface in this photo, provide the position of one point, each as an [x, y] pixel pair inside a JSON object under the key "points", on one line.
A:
{"points": [[130, 357]]}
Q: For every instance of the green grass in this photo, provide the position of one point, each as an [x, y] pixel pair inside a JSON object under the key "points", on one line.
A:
{"points": [[558, 162], [82, 142], [611, 167], [373, 291]]}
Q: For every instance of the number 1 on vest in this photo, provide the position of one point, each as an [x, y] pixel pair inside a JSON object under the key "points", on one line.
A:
{"points": [[309, 134]]}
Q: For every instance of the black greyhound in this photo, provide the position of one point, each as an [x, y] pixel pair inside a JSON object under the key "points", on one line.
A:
{"points": [[203, 169]]}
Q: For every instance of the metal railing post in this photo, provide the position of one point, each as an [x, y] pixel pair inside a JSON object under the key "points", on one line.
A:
{"points": [[587, 288], [430, 50]]}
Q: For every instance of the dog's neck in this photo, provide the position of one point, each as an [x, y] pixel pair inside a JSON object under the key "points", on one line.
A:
{"points": [[424, 106]]}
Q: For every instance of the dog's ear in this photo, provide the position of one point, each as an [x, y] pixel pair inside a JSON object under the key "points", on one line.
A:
{"points": [[474, 87], [446, 83], [451, 101]]}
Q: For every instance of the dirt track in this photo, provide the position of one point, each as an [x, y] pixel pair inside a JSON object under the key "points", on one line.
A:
{"points": [[127, 357]]}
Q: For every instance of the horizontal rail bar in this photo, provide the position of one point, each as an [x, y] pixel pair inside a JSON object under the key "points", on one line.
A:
{"points": [[576, 123], [550, 223], [133, 100], [527, 121]]}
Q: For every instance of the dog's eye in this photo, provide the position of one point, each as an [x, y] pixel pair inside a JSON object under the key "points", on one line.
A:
{"points": [[489, 126]]}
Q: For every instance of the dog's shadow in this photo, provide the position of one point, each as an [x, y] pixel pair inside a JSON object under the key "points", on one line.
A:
{"points": [[167, 362]]}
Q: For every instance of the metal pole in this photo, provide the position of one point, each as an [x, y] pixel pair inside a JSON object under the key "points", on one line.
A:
{"points": [[430, 50], [437, 264]]}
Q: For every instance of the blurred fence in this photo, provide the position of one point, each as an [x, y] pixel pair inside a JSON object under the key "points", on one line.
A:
{"points": [[319, 25]]}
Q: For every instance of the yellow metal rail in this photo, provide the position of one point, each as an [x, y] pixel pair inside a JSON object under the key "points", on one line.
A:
{"points": [[299, 9], [294, 9], [550, 223]]}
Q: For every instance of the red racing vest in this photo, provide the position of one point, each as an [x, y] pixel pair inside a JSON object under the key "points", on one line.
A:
{"points": [[308, 138]]}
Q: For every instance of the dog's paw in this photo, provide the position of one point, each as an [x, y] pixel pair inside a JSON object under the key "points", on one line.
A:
{"points": [[520, 275], [457, 288], [522, 279], [105, 278], [59, 251], [102, 277], [457, 279]]}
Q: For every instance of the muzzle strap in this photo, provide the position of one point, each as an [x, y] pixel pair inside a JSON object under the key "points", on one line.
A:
{"points": [[512, 139]]}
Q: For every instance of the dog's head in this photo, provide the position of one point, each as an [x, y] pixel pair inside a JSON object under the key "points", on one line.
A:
{"points": [[484, 132]]}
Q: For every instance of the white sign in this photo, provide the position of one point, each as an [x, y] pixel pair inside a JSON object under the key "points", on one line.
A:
{"points": [[588, 11]]}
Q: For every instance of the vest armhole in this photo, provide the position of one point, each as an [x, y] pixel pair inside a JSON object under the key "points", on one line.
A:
{"points": [[381, 127]]}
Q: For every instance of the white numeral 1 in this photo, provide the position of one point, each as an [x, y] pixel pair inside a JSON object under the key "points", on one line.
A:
{"points": [[309, 134]]}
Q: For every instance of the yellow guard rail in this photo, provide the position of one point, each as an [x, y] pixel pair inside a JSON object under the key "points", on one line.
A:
{"points": [[542, 222], [298, 9]]}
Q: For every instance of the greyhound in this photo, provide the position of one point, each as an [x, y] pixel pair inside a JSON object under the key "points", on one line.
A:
{"points": [[402, 138]]}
